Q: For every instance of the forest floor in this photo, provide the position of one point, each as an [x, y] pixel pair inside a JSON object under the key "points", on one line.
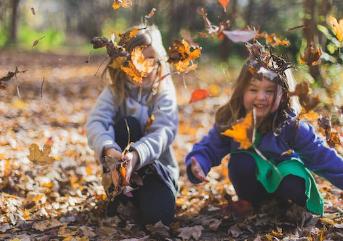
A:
{"points": [[64, 200]]}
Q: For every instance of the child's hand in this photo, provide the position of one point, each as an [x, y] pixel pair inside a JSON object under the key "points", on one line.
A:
{"points": [[111, 152], [197, 170], [132, 159]]}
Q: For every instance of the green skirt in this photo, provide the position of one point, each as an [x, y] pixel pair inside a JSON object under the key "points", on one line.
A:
{"points": [[270, 176]]}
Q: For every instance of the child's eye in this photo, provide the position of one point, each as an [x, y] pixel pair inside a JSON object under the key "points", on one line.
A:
{"points": [[253, 90], [270, 91]]}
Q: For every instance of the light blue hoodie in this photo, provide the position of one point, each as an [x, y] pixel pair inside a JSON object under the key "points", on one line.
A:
{"points": [[155, 145]]}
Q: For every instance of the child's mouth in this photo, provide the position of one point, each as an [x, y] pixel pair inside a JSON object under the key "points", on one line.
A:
{"points": [[260, 106]]}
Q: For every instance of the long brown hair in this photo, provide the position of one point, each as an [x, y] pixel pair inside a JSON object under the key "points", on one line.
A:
{"points": [[146, 36], [234, 109]]}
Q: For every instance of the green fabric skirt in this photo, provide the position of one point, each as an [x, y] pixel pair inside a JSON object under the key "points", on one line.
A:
{"points": [[270, 176]]}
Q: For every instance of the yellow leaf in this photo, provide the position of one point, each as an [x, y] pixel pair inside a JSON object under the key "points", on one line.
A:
{"points": [[121, 3], [336, 26], [19, 104], [143, 65], [150, 121], [40, 157], [310, 116], [240, 132], [214, 90], [26, 214]]}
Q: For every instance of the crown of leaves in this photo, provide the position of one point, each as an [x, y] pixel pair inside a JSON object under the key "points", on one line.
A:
{"points": [[264, 58]]}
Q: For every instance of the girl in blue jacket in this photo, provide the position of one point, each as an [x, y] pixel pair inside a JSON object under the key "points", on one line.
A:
{"points": [[143, 113], [287, 149]]}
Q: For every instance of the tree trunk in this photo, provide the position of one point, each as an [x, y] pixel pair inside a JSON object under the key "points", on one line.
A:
{"points": [[311, 35], [324, 10], [12, 38], [226, 45]]}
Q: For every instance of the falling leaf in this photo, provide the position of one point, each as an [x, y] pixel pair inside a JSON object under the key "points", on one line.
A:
{"points": [[199, 94], [273, 40], [40, 157], [336, 26], [303, 91], [187, 233], [224, 4], [212, 29], [151, 13], [240, 131], [240, 35], [138, 66], [181, 55], [33, 11], [34, 44], [121, 4], [311, 55]]}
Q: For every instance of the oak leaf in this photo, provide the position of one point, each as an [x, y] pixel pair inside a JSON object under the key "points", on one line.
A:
{"points": [[40, 157]]}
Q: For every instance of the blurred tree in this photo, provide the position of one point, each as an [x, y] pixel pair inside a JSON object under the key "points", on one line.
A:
{"points": [[13, 27], [311, 35]]}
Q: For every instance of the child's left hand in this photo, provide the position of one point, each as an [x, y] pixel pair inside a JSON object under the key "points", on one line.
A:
{"points": [[132, 159]]}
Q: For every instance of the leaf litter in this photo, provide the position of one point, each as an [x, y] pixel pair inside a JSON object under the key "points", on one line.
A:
{"points": [[64, 198]]}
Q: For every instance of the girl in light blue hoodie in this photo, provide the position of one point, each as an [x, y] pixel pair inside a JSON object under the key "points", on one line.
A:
{"points": [[144, 113]]}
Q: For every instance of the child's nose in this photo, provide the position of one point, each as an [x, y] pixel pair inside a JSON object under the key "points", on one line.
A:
{"points": [[261, 95]]}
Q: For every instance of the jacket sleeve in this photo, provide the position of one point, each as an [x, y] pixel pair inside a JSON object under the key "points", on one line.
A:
{"points": [[208, 152], [159, 136], [318, 157], [100, 124]]}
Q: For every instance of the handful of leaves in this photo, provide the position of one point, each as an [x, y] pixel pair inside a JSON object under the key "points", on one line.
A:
{"points": [[114, 177]]}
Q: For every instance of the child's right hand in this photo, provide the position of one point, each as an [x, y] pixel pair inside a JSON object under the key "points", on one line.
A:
{"points": [[197, 170]]}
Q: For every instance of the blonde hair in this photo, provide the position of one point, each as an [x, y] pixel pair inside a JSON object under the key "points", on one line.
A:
{"points": [[234, 109], [146, 36]]}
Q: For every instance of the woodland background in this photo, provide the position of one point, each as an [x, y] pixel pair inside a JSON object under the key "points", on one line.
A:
{"points": [[48, 98]]}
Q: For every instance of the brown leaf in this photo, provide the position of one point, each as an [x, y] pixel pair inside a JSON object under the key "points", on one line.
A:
{"points": [[34, 44], [187, 233], [33, 11]]}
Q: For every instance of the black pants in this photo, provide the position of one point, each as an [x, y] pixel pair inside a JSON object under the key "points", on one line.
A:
{"points": [[154, 200], [242, 172]]}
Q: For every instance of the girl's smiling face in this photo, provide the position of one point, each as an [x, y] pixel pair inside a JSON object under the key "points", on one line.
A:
{"points": [[263, 95]]}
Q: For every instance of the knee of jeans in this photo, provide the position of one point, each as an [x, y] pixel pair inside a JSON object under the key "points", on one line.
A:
{"points": [[242, 164], [163, 213]]}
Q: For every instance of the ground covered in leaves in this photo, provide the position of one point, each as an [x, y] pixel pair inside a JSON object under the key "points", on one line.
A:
{"points": [[64, 199]]}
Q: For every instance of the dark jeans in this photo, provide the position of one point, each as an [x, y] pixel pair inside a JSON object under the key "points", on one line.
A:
{"points": [[154, 200], [242, 171]]}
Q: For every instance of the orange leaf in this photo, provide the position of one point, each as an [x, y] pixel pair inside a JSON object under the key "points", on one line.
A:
{"points": [[122, 170], [199, 94], [240, 131], [121, 4], [224, 3]]}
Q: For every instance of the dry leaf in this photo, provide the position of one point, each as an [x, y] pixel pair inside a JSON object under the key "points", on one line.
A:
{"points": [[40, 157], [121, 4], [239, 132], [199, 94], [336, 26], [273, 40], [311, 55], [188, 233], [181, 55], [34, 44], [224, 4], [240, 35]]}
